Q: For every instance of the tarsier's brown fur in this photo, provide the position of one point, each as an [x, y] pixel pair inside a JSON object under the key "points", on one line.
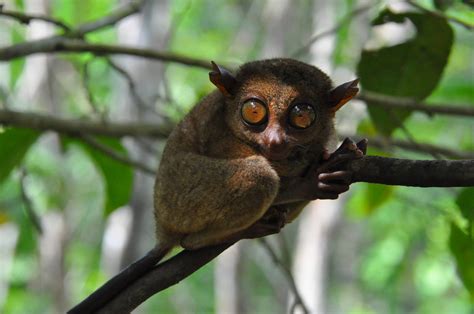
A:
{"points": [[220, 180]]}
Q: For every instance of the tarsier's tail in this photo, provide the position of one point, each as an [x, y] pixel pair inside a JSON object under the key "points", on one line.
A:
{"points": [[117, 284]]}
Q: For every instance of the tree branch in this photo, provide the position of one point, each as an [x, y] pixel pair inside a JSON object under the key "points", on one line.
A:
{"points": [[70, 43], [161, 277], [76, 127], [109, 20], [421, 173], [288, 275], [386, 101], [62, 44]]}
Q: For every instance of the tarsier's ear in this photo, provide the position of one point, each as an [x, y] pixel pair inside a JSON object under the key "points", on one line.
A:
{"points": [[223, 79], [341, 94]]}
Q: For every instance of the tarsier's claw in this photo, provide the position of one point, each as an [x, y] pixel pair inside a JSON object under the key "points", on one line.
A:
{"points": [[362, 145]]}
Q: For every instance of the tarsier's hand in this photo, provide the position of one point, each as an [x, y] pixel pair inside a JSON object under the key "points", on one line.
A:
{"points": [[329, 178]]}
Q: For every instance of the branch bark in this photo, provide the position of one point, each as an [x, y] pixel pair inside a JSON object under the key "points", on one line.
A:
{"points": [[61, 44], [76, 127], [373, 169], [418, 173]]}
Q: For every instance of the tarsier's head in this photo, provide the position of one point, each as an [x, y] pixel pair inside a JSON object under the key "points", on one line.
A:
{"points": [[278, 105]]}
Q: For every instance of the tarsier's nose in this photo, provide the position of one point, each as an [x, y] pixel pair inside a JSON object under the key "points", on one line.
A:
{"points": [[276, 145]]}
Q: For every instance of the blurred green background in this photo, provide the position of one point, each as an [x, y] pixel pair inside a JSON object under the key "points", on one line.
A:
{"points": [[71, 216]]}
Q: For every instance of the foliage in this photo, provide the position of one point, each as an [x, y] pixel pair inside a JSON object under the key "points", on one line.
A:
{"points": [[410, 69]]}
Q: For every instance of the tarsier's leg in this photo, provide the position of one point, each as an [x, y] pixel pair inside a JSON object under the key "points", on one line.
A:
{"points": [[249, 186]]}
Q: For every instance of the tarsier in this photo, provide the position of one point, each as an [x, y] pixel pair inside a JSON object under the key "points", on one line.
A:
{"points": [[248, 158]]}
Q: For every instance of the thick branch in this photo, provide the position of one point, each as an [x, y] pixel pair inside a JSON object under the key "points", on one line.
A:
{"points": [[76, 127], [387, 101], [421, 173], [161, 277]]}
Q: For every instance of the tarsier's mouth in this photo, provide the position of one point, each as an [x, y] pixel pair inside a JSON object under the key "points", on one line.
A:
{"points": [[275, 156]]}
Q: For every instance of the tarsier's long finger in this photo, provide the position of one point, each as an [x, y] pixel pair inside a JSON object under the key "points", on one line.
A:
{"points": [[338, 176], [333, 188], [336, 160]]}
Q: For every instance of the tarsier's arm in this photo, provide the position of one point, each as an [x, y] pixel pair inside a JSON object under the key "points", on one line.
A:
{"points": [[325, 179]]}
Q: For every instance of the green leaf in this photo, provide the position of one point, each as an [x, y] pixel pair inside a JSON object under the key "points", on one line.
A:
{"points": [[410, 69], [465, 202], [118, 177], [14, 143], [462, 247], [376, 195]]}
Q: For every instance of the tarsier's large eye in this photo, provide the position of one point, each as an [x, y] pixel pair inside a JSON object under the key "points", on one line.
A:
{"points": [[302, 116], [254, 112]]}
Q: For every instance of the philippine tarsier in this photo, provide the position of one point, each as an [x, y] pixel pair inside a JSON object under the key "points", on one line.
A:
{"points": [[249, 157]]}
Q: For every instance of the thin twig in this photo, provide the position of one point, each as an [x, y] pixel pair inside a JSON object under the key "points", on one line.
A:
{"points": [[29, 208], [347, 18], [75, 127], [464, 24], [146, 146], [116, 155], [62, 44], [89, 96], [411, 139], [27, 18], [132, 88], [109, 20], [403, 103], [287, 273]]}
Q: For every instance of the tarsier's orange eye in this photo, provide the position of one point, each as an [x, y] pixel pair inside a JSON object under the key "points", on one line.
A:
{"points": [[302, 116], [254, 112]]}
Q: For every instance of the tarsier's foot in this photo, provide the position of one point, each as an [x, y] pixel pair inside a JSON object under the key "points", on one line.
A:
{"points": [[272, 222], [331, 177]]}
